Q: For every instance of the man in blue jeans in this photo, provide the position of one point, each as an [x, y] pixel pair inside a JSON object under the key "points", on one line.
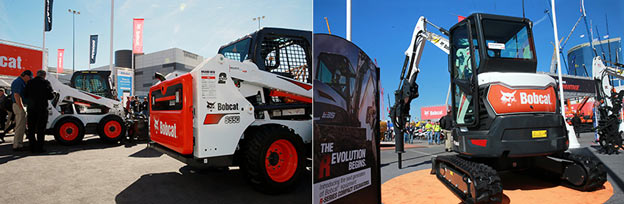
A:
{"points": [[429, 131], [406, 133]]}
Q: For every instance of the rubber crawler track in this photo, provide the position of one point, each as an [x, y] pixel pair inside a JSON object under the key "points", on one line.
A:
{"points": [[487, 184], [596, 170]]}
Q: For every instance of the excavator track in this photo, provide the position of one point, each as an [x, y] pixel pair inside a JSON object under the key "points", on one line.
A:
{"points": [[585, 173], [470, 181]]}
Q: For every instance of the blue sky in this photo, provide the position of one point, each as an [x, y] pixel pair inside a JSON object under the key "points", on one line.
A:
{"points": [[200, 27], [383, 30]]}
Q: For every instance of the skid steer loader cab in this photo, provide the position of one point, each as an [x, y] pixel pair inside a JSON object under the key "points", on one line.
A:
{"points": [[280, 51], [496, 91], [95, 82]]}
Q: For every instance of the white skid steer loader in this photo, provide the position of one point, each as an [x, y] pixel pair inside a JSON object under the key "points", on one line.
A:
{"points": [[248, 106]]}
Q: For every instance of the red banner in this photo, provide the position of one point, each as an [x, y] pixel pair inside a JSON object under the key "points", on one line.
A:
{"points": [[137, 37], [59, 60], [432, 112], [460, 18], [14, 60]]}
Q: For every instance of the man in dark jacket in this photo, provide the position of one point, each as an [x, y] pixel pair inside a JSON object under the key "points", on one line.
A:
{"points": [[446, 123], [3, 114], [576, 123], [37, 93]]}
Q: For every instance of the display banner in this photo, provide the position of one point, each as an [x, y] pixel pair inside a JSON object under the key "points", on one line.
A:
{"points": [[577, 86], [432, 112], [59, 60], [137, 37], [47, 20], [93, 39], [16, 59], [124, 83], [346, 124]]}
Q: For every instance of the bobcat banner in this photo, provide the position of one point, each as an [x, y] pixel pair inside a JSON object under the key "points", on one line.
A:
{"points": [[346, 124], [93, 39]]}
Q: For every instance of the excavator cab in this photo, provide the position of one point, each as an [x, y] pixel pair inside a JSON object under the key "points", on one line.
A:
{"points": [[484, 43]]}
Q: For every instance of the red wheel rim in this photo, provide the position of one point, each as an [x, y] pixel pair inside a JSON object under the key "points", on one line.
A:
{"points": [[112, 129], [281, 160], [69, 131]]}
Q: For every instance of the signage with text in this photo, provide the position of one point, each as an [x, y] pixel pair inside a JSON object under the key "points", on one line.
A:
{"points": [[14, 60]]}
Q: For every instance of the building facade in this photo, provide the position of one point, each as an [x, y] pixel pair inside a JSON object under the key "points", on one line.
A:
{"points": [[164, 62], [580, 57]]}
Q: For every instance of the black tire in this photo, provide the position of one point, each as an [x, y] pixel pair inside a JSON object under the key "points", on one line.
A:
{"points": [[256, 156], [111, 129], [69, 131]]}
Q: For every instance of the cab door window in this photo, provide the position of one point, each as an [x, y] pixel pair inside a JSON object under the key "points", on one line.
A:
{"points": [[462, 74]]}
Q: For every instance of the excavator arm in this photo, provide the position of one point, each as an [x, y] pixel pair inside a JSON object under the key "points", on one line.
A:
{"points": [[408, 89]]}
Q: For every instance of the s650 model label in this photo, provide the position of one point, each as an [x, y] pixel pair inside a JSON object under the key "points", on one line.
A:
{"points": [[234, 119]]}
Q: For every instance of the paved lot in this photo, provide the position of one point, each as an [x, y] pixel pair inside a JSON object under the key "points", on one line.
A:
{"points": [[95, 172], [420, 158]]}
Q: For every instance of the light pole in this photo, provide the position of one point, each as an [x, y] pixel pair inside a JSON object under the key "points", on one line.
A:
{"points": [[258, 19], [74, 13]]}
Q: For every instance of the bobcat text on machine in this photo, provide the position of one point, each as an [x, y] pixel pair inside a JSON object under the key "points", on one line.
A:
{"points": [[74, 112], [506, 116], [250, 105]]}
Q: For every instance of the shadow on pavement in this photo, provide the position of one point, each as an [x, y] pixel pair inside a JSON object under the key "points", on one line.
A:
{"points": [[146, 153], [227, 186], [412, 158], [53, 148]]}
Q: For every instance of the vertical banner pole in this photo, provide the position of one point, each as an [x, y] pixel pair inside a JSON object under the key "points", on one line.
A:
{"points": [[349, 20], [571, 135]]}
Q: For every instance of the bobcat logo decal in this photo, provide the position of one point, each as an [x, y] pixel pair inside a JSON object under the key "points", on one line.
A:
{"points": [[210, 105], [155, 124], [508, 98]]}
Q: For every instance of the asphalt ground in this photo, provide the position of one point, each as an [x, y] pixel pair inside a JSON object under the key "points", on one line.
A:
{"points": [[419, 158], [96, 172]]}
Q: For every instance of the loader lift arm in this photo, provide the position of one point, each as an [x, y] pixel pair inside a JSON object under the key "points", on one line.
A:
{"points": [[408, 89]]}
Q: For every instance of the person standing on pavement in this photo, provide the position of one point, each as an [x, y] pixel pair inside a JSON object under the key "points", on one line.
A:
{"points": [[576, 123], [17, 86], [436, 130], [145, 107], [37, 93], [128, 109], [408, 133], [446, 123], [3, 114], [429, 132]]}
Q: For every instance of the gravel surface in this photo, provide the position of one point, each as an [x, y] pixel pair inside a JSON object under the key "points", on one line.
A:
{"points": [[420, 158]]}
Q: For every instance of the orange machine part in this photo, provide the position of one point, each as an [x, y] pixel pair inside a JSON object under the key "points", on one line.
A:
{"points": [[506, 100], [173, 128]]}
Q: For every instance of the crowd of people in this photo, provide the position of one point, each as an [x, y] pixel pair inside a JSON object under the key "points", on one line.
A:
{"points": [[437, 132], [135, 107], [28, 107]]}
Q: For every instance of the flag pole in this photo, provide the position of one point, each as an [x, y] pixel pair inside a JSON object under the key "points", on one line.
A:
{"points": [[44, 34], [110, 65], [571, 134]]}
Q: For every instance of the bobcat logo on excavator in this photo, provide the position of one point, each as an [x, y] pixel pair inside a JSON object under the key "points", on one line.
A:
{"points": [[508, 98]]}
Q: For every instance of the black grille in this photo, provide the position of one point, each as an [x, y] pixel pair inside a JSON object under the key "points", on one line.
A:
{"points": [[286, 56]]}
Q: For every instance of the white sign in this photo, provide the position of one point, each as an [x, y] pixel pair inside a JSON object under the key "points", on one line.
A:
{"points": [[496, 46], [335, 188]]}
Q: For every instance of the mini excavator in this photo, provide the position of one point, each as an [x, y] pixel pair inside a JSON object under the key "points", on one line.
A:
{"points": [[506, 116]]}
